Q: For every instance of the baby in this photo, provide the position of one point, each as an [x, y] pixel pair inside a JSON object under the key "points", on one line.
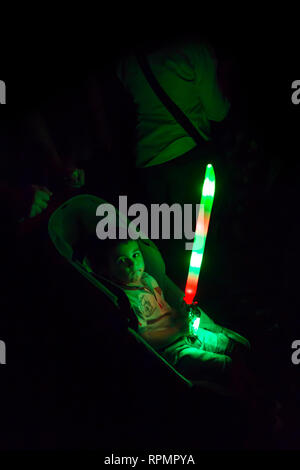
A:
{"points": [[203, 355]]}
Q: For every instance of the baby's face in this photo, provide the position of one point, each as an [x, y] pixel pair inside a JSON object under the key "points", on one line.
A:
{"points": [[126, 265]]}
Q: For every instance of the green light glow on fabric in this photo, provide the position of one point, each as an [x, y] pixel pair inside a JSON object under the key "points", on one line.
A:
{"points": [[196, 324], [207, 199]]}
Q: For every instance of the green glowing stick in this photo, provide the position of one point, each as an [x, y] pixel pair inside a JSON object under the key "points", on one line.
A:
{"points": [[207, 199]]}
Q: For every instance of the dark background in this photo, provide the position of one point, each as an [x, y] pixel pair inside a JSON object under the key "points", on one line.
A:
{"points": [[264, 64]]}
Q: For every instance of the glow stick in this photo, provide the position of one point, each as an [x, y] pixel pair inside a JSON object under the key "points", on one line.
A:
{"points": [[207, 199]]}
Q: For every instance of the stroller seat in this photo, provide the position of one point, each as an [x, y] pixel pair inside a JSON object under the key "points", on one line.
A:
{"points": [[75, 219]]}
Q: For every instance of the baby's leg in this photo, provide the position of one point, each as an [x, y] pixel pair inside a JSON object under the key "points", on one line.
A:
{"points": [[198, 364], [220, 344], [214, 342]]}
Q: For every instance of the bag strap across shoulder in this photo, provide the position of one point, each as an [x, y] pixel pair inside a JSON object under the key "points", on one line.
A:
{"points": [[172, 107]]}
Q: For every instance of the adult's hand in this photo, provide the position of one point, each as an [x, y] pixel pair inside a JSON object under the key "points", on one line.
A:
{"points": [[74, 177], [40, 199]]}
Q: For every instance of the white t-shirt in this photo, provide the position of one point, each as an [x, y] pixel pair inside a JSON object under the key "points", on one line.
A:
{"points": [[148, 303], [188, 76]]}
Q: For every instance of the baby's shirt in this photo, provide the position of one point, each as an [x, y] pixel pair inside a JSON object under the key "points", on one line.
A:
{"points": [[148, 303]]}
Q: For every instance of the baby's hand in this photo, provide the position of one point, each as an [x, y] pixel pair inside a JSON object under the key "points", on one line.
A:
{"points": [[74, 177], [185, 309]]}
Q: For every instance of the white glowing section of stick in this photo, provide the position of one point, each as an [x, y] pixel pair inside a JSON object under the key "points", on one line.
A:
{"points": [[208, 188], [196, 259]]}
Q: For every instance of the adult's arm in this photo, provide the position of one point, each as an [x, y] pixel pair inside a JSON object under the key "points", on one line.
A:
{"points": [[38, 132], [17, 202], [215, 104], [56, 168]]}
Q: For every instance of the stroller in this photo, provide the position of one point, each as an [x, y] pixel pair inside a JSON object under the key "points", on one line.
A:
{"points": [[68, 224]]}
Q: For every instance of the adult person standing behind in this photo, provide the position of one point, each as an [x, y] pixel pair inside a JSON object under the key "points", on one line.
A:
{"points": [[170, 165], [188, 74]]}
